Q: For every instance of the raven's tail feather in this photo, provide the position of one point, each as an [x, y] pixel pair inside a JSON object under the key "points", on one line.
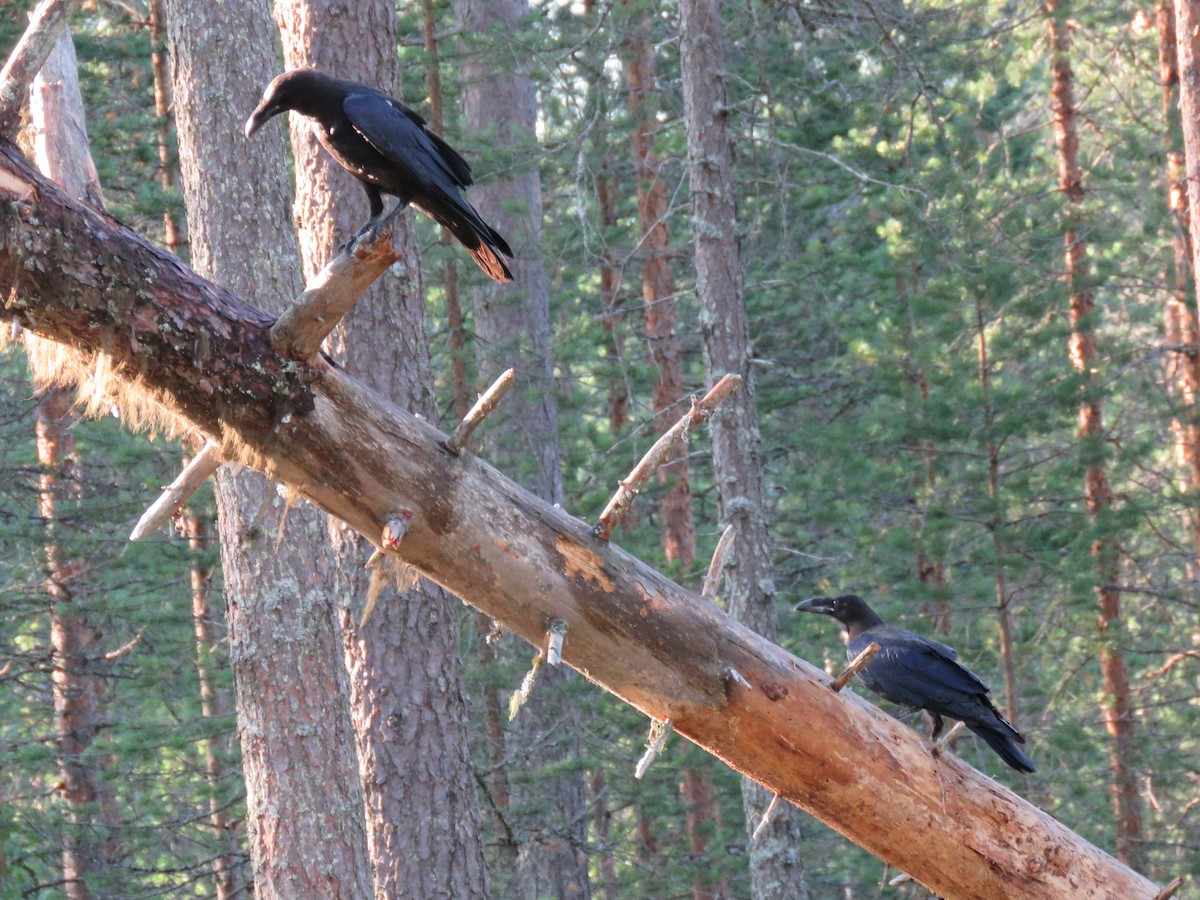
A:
{"points": [[1006, 748], [480, 239]]}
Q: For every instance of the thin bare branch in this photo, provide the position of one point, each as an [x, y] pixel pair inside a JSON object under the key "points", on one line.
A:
{"points": [[172, 500], [483, 407], [712, 581], [662, 450], [856, 666]]}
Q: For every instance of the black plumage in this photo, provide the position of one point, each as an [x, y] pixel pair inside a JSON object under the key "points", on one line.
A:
{"points": [[916, 672], [387, 147]]}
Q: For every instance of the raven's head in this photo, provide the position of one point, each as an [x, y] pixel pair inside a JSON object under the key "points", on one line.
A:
{"points": [[297, 89], [849, 609]]}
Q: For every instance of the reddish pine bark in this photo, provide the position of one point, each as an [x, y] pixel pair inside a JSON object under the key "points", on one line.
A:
{"points": [[1117, 705], [658, 295], [1179, 317]]}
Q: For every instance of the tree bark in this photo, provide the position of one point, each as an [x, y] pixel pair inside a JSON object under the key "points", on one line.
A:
{"points": [[90, 845], [304, 801], [549, 815], [407, 695], [80, 278], [1117, 705], [776, 860], [1180, 315]]}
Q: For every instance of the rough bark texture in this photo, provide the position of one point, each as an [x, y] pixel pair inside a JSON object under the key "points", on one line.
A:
{"points": [[78, 681], [776, 863], [1117, 705], [658, 296], [1179, 315], [82, 279], [304, 801], [407, 695], [512, 328]]}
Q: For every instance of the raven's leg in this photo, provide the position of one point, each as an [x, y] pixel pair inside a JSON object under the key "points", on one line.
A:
{"points": [[374, 224], [936, 727]]}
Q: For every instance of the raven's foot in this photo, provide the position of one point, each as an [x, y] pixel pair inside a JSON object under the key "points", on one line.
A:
{"points": [[937, 746]]}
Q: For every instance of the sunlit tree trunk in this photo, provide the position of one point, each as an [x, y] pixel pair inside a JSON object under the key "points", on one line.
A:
{"points": [[512, 328], [1179, 315], [406, 681], [304, 801], [90, 842], [1117, 703], [658, 293], [776, 863]]}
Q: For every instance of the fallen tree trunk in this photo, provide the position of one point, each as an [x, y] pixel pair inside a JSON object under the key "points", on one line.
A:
{"points": [[75, 275]]}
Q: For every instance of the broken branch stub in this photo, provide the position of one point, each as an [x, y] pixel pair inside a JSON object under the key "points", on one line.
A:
{"points": [[662, 450], [299, 332], [176, 494], [855, 667], [483, 407]]}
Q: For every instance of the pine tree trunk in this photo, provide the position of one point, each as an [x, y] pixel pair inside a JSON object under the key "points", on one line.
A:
{"points": [[304, 801], [512, 328], [90, 843], [1180, 315], [406, 681], [776, 863], [658, 296], [1117, 703]]}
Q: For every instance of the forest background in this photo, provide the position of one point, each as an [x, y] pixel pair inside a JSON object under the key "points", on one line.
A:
{"points": [[917, 381]]}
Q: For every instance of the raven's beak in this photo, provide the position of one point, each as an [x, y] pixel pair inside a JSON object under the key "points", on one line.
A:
{"points": [[264, 112], [823, 605]]}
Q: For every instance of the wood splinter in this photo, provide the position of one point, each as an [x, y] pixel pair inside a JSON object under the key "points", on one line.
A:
{"points": [[176, 494], [521, 695], [298, 333], [729, 673], [716, 568], [662, 450], [856, 666], [483, 407], [556, 634], [654, 745], [766, 818]]}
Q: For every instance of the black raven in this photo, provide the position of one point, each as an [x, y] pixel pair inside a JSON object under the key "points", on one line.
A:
{"points": [[387, 147], [921, 674]]}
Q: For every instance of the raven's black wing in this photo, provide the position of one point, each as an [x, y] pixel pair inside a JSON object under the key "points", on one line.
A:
{"points": [[398, 133], [427, 172]]}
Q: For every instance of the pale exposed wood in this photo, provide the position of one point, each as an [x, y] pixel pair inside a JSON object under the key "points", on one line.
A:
{"points": [[78, 277], [24, 62], [176, 494], [328, 297]]}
